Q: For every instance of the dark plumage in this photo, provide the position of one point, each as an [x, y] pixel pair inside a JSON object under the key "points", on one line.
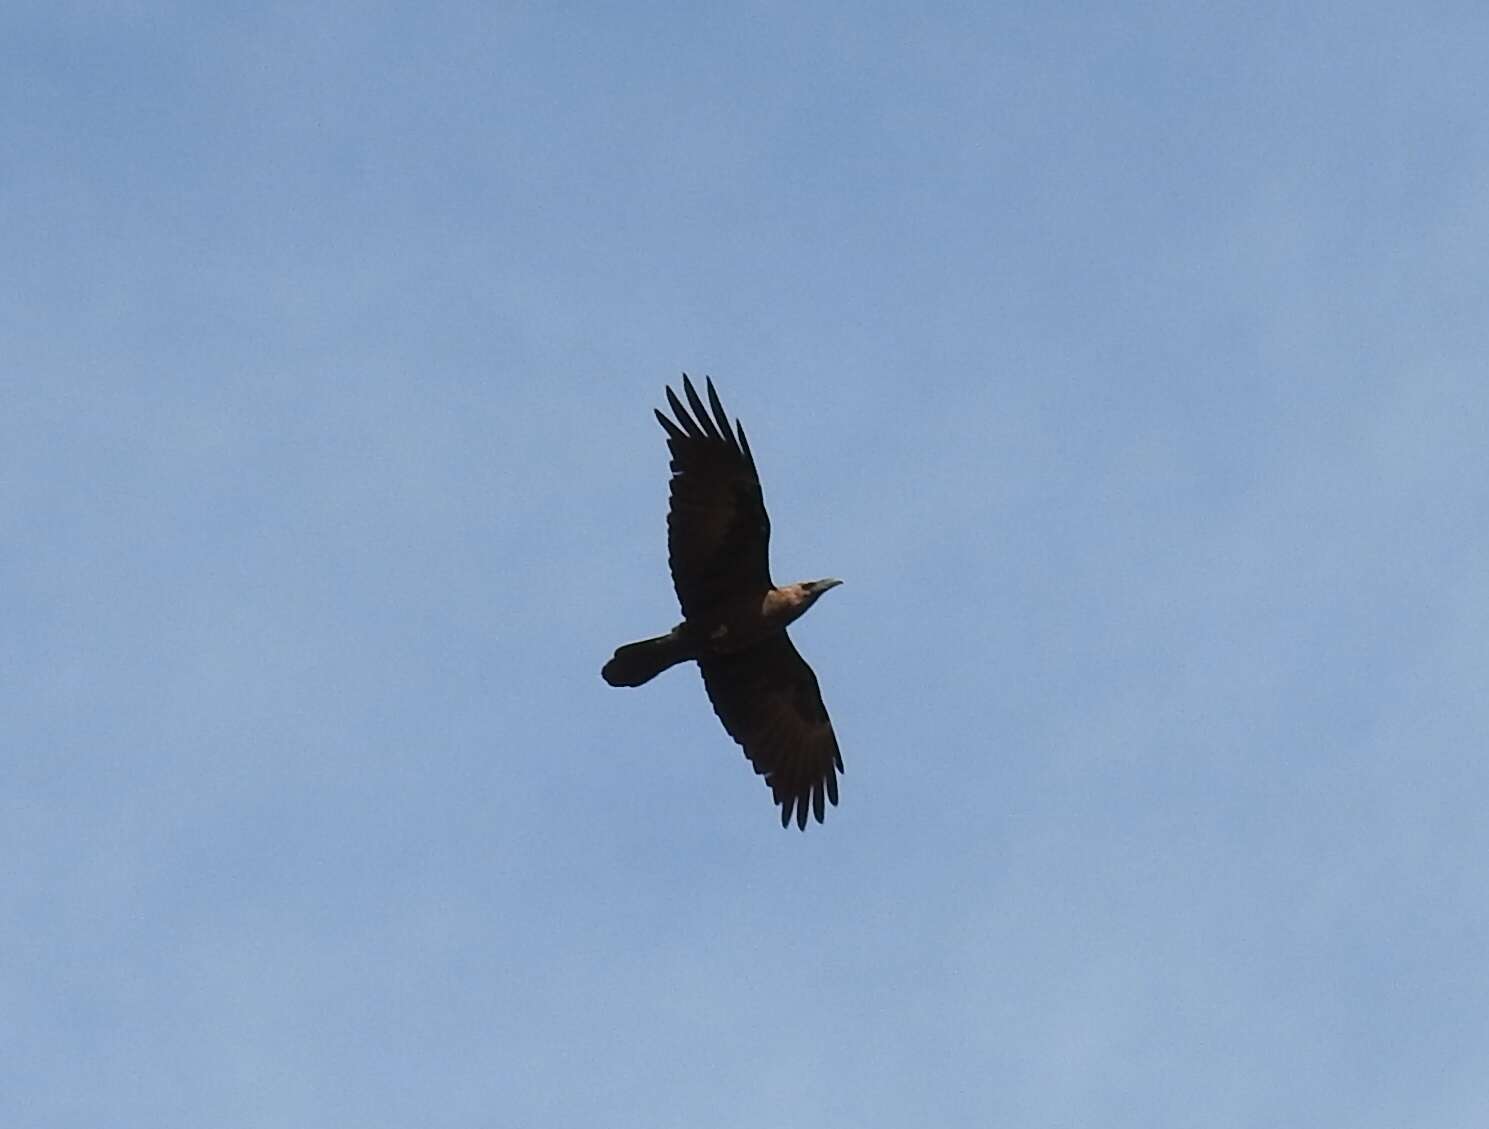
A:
{"points": [[734, 617]]}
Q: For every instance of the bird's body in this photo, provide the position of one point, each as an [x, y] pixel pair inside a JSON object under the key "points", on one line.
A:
{"points": [[734, 618]]}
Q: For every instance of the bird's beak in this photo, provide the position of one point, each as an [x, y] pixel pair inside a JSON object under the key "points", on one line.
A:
{"points": [[824, 585]]}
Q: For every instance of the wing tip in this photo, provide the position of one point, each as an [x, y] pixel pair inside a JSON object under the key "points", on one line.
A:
{"points": [[672, 430], [811, 804], [700, 413]]}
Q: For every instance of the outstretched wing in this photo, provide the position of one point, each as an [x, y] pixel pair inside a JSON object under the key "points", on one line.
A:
{"points": [[718, 534], [768, 699]]}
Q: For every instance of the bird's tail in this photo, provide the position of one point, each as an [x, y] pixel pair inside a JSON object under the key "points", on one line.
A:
{"points": [[637, 663]]}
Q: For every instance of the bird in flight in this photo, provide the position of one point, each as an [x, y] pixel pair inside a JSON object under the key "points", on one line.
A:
{"points": [[734, 616]]}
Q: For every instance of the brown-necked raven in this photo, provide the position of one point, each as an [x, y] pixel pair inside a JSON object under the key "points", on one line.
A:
{"points": [[734, 617]]}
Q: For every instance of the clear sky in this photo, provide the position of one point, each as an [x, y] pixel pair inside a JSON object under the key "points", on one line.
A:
{"points": [[1127, 362]]}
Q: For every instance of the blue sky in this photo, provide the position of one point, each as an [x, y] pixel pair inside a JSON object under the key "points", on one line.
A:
{"points": [[1126, 361]]}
